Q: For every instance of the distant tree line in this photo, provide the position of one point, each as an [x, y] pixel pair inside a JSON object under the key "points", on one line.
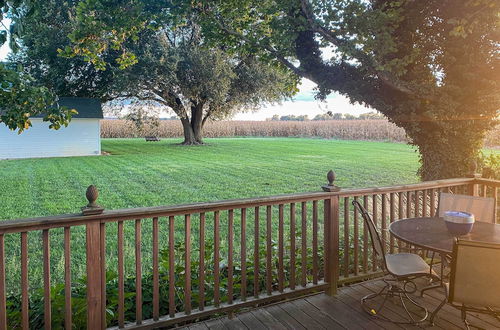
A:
{"points": [[329, 116]]}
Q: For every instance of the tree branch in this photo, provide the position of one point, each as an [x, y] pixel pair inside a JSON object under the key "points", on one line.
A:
{"points": [[359, 55], [271, 50]]}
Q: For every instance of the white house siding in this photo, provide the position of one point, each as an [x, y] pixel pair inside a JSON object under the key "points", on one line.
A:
{"points": [[80, 138]]}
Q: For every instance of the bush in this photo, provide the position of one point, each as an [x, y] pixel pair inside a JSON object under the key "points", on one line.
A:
{"points": [[490, 166], [78, 290]]}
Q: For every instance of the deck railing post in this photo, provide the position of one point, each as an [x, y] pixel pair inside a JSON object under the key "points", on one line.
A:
{"points": [[331, 235], [94, 248], [474, 187]]}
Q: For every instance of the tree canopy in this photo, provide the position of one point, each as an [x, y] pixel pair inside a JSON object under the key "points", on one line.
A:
{"points": [[174, 68], [431, 67], [20, 96]]}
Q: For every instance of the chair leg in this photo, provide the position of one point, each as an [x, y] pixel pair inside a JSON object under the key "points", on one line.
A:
{"points": [[430, 287], [400, 291], [432, 262], [464, 317], [434, 313], [434, 278], [426, 313]]}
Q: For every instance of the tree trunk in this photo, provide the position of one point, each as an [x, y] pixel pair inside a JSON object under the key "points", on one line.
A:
{"points": [[188, 132], [447, 134], [193, 129], [447, 150]]}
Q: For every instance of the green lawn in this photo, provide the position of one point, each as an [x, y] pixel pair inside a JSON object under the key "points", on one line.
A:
{"points": [[140, 173]]}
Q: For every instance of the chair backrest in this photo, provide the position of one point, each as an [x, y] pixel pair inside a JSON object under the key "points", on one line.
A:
{"points": [[483, 208], [377, 245], [475, 274]]}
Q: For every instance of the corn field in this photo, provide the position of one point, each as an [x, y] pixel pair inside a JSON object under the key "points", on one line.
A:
{"points": [[373, 130]]}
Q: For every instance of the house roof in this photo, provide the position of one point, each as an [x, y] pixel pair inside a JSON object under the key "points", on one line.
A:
{"points": [[86, 107]]}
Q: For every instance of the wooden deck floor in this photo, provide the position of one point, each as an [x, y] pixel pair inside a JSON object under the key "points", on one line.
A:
{"points": [[341, 312]]}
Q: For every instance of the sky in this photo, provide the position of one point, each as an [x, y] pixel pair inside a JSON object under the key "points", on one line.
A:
{"points": [[302, 104], [4, 49]]}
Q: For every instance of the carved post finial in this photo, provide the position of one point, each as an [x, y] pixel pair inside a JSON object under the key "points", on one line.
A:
{"points": [[92, 208], [92, 194], [330, 186], [474, 166], [330, 176]]}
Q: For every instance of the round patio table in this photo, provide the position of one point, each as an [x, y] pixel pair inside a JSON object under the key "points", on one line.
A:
{"points": [[431, 233]]}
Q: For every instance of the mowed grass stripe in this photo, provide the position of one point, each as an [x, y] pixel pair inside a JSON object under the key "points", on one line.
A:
{"points": [[139, 174]]}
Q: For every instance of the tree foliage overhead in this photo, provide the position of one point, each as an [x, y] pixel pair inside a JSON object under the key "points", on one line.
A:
{"points": [[173, 67], [20, 97], [431, 67]]}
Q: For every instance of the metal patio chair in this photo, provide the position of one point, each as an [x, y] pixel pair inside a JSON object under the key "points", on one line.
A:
{"points": [[402, 269], [483, 208], [475, 279]]}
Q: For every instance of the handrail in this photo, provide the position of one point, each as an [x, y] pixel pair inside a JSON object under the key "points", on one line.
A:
{"points": [[489, 182], [18, 225], [319, 229]]}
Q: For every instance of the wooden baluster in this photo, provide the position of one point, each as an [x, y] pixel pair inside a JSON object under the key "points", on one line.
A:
{"points": [[433, 203], [401, 245], [187, 264], [24, 282], [138, 273], [3, 300], [408, 204], [304, 244], [243, 258], [356, 240], [171, 266], [408, 212], [485, 191], [424, 213], [383, 221], [47, 312], [417, 203], [67, 277], [392, 215], [281, 250], [256, 259], [424, 203], [365, 238], [375, 217], [315, 242], [269, 264], [346, 236], [102, 250], [230, 238], [495, 196], [202, 262], [216, 259], [292, 246], [121, 278], [156, 276]]}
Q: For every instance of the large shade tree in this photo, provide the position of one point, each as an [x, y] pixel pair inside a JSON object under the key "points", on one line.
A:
{"points": [[432, 67], [174, 68]]}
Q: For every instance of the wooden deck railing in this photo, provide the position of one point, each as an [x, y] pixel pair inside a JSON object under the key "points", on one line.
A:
{"points": [[159, 266]]}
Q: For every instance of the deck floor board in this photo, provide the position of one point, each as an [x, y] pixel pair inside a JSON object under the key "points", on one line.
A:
{"points": [[343, 311]]}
